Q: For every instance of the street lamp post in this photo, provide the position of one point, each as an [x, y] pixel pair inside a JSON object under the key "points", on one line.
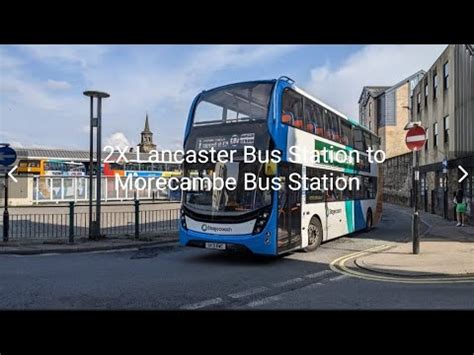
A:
{"points": [[94, 226]]}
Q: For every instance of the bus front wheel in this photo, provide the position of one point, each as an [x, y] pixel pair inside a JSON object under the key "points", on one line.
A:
{"points": [[315, 235]]}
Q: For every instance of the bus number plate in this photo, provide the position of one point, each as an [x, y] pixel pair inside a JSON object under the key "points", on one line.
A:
{"points": [[219, 246]]}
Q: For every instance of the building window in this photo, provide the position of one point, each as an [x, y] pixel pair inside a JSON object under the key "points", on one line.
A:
{"points": [[435, 134], [446, 129], [370, 109], [427, 138], [445, 75], [370, 125], [435, 85], [418, 102], [426, 93]]}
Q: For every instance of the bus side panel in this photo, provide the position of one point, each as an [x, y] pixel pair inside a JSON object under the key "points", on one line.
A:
{"points": [[360, 212], [349, 211], [337, 219], [359, 215]]}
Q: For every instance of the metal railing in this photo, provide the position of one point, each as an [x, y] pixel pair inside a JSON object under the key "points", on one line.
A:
{"points": [[57, 224], [65, 189]]}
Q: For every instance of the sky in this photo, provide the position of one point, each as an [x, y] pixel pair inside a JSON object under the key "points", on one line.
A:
{"points": [[42, 105]]}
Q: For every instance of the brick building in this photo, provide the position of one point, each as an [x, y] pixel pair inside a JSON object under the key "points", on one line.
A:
{"points": [[385, 110]]}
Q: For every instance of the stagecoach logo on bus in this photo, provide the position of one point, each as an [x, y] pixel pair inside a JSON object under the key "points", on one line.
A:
{"points": [[206, 228]]}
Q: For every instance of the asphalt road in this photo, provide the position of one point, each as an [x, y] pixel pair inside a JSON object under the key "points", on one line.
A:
{"points": [[186, 278]]}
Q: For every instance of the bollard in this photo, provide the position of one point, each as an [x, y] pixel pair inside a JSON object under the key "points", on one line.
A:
{"points": [[71, 222], [137, 218]]}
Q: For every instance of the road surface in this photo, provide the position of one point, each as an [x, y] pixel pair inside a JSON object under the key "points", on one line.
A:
{"points": [[174, 278]]}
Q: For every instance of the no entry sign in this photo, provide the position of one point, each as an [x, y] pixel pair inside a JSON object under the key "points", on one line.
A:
{"points": [[415, 138]]}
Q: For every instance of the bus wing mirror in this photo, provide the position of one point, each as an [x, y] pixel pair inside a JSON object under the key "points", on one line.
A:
{"points": [[270, 169]]}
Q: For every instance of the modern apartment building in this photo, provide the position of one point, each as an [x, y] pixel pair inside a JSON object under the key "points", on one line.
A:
{"points": [[443, 102]]}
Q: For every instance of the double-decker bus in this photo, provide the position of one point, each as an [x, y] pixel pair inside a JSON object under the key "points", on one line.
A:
{"points": [[275, 115], [50, 167], [165, 170]]}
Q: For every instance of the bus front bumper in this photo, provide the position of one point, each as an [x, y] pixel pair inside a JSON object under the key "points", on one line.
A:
{"points": [[256, 243]]}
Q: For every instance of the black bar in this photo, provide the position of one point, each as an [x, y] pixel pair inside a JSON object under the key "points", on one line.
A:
{"points": [[98, 194], [6, 217], [416, 217], [71, 222], [91, 167], [137, 218]]}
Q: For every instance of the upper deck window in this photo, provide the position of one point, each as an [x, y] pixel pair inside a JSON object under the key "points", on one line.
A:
{"points": [[292, 109], [234, 103]]}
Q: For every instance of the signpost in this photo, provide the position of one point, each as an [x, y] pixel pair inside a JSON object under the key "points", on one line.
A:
{"points": [[415, 140], [7, 158], [445, 187]]}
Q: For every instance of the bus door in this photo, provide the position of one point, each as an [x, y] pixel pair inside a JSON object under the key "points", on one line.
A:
{"points": [[289, 210]]}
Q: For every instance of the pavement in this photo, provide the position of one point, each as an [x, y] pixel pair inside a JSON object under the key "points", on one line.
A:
{"points": [[445, 250], [36, 247]]}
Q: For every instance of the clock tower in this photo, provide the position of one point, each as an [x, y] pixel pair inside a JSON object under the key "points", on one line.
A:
{"points": [[146, 143]]}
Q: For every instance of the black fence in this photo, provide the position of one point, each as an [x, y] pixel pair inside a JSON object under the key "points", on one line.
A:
{"points": [[69, 222]]}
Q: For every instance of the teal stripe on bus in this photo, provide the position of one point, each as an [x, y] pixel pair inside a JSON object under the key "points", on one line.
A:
{"points": [[349, 216]]}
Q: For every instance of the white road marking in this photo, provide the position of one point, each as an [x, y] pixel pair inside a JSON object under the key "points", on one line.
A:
{"points": [[318, 274], [263, 301], [339, 278], [48, 254], [202, 304], [288, 282], [249, 292]]}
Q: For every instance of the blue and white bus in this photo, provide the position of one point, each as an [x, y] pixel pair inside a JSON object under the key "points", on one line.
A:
{"points": [[275, 115]]}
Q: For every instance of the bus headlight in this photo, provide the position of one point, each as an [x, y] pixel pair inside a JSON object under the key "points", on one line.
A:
{"points": [[261, 221]]}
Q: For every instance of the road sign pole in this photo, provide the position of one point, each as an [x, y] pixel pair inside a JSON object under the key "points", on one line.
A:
{"points": [[415, 140], [6, 216], [7, 158], [416, 216]]}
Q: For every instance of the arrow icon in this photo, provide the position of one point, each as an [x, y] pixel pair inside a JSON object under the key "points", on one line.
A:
{"points": [[464, 172], [11, 172]]}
